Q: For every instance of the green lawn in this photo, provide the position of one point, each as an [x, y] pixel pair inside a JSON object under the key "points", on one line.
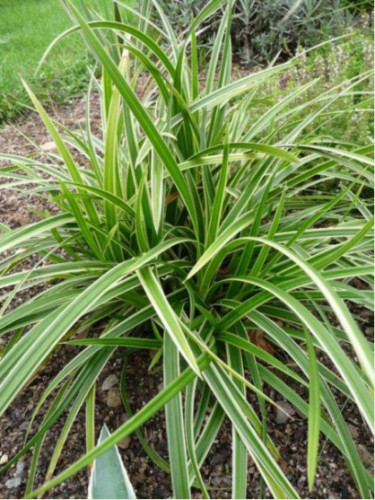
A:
{"points": [[26, 29]]}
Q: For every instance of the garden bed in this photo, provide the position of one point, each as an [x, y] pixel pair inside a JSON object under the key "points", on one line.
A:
{"points": [[288, 433]]}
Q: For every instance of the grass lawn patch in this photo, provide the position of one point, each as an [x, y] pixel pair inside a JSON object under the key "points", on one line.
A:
{"points": [[26, 30]]}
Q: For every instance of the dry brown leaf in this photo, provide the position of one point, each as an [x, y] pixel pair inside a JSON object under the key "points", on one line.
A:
{"points": [[257, 338]]}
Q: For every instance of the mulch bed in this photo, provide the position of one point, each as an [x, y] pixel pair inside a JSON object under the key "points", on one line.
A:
{"points": [[288, 433]]}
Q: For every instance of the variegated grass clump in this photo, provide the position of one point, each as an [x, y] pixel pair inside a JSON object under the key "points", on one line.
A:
{"points": [[186, 228]]}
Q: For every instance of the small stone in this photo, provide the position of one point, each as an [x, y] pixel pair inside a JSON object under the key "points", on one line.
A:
{"points": [[301, 482], [283, 416], [12, 200], [109, 382], [19, 468], [114, 398], [367, 313], [13, 483], [49, 147], [122, 418], [129, 453], [124, 443], [22, 219], [218, 458], [216, 479], [353, 431], [4, 459], [366, 457], [24, 426]]}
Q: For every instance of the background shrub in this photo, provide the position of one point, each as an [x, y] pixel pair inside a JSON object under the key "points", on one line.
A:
{"points": [[262, 29]]}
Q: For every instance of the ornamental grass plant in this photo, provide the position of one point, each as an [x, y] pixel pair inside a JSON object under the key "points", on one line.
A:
{"points": [[185, 226]]}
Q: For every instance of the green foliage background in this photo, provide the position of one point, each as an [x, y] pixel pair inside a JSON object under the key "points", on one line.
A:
{"points": [[261, 30], [26, 29]]}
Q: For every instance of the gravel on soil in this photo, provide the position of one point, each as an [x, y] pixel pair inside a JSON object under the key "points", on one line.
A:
{"points": [[287, 430]]}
